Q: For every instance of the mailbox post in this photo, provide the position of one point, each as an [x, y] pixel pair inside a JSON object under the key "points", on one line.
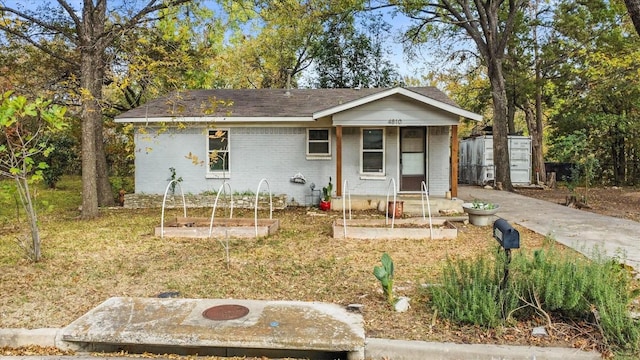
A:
{"points": [[509, 238]]}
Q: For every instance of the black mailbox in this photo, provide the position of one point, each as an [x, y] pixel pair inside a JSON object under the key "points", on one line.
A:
{"points": [[507, 236]]}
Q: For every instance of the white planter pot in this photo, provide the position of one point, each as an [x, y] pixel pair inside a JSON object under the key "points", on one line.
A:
{"points": [[480, 217]]}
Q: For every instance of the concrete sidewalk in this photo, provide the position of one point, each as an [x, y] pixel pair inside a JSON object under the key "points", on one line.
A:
{"points": [[581, 230]]}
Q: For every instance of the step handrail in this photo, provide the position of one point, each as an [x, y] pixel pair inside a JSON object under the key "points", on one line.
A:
{"points": [[344, 214], [425, 193], [393, 216]]}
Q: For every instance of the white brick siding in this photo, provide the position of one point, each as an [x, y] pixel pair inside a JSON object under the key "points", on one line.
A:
{"points": [[277, 154]]}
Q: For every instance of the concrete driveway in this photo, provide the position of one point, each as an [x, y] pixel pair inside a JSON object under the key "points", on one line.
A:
{"points": [[581, 230]]}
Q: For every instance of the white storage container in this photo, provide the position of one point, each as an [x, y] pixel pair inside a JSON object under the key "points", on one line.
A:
{"points": [[476, 160]]}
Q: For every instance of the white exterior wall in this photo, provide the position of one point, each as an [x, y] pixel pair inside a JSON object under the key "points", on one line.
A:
{"points": [[156, 153], [368, 185], [276, 154]]}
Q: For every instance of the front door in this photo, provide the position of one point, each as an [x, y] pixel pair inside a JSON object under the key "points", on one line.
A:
{"points": [[412, 158]]}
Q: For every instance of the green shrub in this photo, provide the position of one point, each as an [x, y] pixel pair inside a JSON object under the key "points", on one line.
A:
{"points": [[125, 183], [610, 294], [470, 292], [61, 160], [555, 281], [544, 282]]}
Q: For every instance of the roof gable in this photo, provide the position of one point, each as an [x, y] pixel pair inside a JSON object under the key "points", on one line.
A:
{"points": [[448, 106]]}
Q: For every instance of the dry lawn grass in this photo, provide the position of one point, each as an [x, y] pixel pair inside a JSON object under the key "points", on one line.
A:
{"points": [[86, 262]]}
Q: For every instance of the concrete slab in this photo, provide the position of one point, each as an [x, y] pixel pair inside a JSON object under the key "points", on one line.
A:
{"points": [[179, 323], [583, 231], [379, 229], [27, 337]]}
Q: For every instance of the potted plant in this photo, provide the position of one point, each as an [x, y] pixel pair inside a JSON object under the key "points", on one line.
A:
{"points": [[480, 212], [325, 202]]}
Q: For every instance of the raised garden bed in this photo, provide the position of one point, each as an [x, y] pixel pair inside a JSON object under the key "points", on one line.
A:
{"points": [[198, 227], [410, 228]]}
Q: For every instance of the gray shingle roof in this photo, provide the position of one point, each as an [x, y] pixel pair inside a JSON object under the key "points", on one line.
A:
{"points": [[259, 102]]}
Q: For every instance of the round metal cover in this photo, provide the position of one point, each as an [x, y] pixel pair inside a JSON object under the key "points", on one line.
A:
{"points": [[225, 312]]}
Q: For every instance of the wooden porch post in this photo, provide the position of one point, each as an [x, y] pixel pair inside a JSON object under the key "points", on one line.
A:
{"points": [[454, 161], [339, 160]]}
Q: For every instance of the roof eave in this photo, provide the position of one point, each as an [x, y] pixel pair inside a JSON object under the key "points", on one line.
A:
{"points": [[208, 119]]}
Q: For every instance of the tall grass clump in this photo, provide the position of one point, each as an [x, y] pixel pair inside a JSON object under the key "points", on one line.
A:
{"points": [[547, 283]]}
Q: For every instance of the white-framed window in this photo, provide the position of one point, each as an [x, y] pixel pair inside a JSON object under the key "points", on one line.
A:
{"points": [[318, 142], [218, 153], [372, 151]]}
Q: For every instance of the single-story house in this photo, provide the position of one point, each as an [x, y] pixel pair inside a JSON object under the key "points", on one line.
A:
{"points": [[297, 137]]}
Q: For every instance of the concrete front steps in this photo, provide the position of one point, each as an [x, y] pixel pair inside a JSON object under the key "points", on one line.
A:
{"points": [[412, 204]]}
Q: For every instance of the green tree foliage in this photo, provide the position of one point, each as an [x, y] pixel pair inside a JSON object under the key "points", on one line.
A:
{"points": [[596, 88], [88, 30], [22, 126], [575, 149], [272, 41], [346, 57], [62, 159], [173, 53]]}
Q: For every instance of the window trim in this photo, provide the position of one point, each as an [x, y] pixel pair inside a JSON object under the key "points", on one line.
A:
{"points": [[218, 174], [383, 151], [318, 156]]}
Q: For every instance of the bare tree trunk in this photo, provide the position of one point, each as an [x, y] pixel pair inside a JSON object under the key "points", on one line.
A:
{"points": [[105, 192], [633, 7], [24, 193], [537, 131], [500, 125], [511, 115], [537, 155], [89, 175], [91, 65], [618, 155]]}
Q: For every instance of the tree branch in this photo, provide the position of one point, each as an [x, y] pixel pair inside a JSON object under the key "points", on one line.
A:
{"points": [[71, 12], [38, 45], [135, 20]]}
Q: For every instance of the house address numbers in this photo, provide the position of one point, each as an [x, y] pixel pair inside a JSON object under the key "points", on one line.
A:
{"points": [[394, 121]]}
